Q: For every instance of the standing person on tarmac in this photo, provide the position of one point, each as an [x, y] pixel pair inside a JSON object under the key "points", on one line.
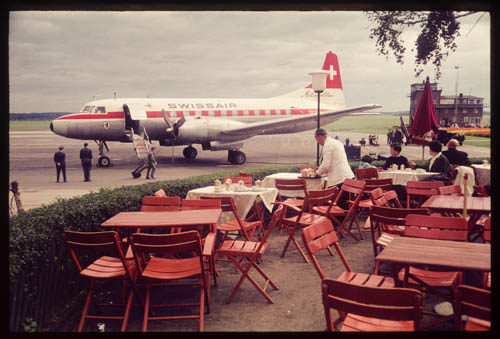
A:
{"points": [[86, 158], [60, 160], [151, 164], [333, 162]]}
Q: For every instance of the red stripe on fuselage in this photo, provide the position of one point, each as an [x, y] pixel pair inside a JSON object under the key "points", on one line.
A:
{"points": [[109, 115], [179, 114]]}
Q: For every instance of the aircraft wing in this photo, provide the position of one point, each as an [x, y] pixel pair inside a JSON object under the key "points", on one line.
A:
{"points": [[275, 124]]}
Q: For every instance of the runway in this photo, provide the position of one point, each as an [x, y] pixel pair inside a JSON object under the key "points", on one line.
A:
{"points": [[31, 161]]}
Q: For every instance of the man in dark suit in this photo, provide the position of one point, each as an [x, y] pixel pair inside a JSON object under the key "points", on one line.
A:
{"points": [[456, 157], [438, 162], [86, 158], [60, 160]]}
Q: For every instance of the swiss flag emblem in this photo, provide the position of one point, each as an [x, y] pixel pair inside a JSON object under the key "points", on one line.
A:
{"points": [[331, 65]]}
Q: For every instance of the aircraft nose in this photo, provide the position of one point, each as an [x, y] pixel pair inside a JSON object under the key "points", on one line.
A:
{"points": [[58, 127]]}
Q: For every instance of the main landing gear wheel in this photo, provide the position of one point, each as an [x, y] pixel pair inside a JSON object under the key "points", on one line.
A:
{"points": [[103, 161], [190, 152], [236, 157]]}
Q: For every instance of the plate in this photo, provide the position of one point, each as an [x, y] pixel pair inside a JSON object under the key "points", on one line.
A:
{"points": [[315, 177]]}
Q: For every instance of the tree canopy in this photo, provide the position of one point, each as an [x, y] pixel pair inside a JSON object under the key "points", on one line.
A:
{"points": [[438, 32]]}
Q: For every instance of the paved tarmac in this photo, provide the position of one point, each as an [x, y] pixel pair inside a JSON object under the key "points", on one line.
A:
{"points": [[31, 161]]}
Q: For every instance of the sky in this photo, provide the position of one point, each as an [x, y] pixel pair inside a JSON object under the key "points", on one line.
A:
{"points": [[59, 60]]}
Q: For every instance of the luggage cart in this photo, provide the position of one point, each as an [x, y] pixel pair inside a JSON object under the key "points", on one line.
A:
{"points": [[137, 172]]}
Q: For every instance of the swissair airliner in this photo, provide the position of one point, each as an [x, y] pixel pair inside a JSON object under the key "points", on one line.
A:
{"points": [[216, 124]]}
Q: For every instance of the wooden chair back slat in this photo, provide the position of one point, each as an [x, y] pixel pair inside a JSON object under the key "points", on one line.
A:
{"points": [[366, 173], [385, 184], [436, 227], [196, 204], [450, 190], [246, 179], [290, 184], [160, 203]]}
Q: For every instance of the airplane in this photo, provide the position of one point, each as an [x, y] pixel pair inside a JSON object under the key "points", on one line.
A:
{"points": [[216, 124]]}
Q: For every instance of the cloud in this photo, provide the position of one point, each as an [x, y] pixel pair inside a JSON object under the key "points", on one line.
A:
{"points": [[57, 60]]}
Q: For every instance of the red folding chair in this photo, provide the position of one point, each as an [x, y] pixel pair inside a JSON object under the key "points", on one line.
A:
{"points": [[434, 227], [161, 259], [387, 222], [371, 309], [475, 303], [314, 202], [237, 251], [355, 189], [418, 191], [82, 245]]}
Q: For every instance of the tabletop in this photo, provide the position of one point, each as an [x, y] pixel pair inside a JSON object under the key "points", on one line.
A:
{"points": [[453, 254], [402, 177], [311, 183], [456, 203], [243, 200], [208, 217]]}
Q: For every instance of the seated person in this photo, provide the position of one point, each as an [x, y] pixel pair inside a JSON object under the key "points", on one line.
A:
{"points": [[396, 158], [366, 162], [456, 157], [438, 162]]}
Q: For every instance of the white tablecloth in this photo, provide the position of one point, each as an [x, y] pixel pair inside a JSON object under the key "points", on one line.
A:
{"points": [[483, 174], [243, 200], [311, 183], [402, 177]]}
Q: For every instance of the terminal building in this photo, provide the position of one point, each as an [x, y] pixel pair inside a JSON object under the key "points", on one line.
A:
{"points": [[467, 109]]}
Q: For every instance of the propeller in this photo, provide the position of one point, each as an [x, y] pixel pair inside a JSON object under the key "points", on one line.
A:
{"points": [[172, 131]]}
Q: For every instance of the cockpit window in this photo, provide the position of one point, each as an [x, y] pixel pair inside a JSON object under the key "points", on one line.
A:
{"points": [[101, 109], [86, 109]]}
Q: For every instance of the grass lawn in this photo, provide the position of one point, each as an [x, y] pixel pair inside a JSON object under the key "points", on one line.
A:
{"points": [[29, 125]]}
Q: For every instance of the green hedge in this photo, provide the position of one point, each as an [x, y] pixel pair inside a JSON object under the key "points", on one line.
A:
{"points": [[43, 279]]}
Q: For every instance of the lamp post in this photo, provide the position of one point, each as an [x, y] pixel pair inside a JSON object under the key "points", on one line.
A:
{"points": [[318, 85], [456, 96]]}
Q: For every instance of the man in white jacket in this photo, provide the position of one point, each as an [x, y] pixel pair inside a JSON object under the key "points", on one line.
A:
{"points": [[333, 161]]}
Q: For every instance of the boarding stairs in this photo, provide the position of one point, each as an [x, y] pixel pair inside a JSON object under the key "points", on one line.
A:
{"points": [[142, 145]]}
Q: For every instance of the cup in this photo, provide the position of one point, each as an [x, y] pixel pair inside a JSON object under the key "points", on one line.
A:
{"points": [[259, 183], [485, 162]]}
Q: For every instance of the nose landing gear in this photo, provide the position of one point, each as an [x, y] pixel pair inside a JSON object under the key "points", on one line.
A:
{"points": [[103, 160]]}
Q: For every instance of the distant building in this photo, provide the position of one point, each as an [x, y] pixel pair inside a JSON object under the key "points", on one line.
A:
{"points": [[469, 109]]}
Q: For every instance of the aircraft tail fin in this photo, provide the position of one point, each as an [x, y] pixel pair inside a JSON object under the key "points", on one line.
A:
{"points": [[333, 94]]}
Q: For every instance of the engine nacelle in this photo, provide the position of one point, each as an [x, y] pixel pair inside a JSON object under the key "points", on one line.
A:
{"points": [[202, 130]]}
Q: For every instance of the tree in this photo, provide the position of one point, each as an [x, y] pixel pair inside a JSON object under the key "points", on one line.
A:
{"points": [[439, 29]]}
